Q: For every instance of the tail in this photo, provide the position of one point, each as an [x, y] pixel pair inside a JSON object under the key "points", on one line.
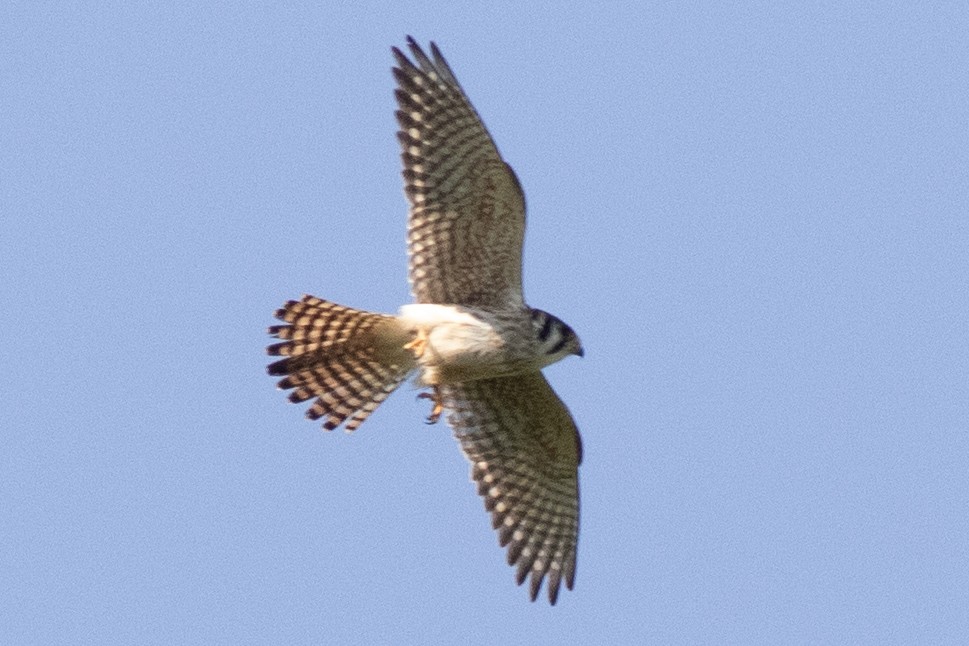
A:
{"points": [[348, 359]]}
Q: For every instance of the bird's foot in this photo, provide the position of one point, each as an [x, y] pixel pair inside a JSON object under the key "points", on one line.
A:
{"points": [[438, 407], [418, 344]]}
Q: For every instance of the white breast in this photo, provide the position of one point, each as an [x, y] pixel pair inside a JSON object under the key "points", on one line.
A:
{"points": [[427, 315], [459, 344]]}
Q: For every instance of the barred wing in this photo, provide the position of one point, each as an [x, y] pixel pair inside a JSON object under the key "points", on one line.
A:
{"points": [[467, 215], [524, 451]]}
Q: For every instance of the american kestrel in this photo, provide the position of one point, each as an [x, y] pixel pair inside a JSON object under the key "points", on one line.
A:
{"points": [[469, 337]]}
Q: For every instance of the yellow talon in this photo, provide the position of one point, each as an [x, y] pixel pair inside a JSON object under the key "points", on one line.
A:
{"points": [[418, 344], [438, 407]]}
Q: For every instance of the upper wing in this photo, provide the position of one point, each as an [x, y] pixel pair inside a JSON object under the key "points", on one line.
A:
{"points": [[467, 215], [525, 451]]}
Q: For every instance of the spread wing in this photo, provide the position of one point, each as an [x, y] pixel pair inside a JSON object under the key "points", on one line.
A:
{"points": [[467, 210], [524, 451]]}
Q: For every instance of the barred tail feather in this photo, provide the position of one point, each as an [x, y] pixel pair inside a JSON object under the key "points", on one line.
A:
{"points": [[348, 359]]}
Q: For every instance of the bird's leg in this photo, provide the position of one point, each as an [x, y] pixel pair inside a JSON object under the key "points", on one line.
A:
{"points": [[418, 344], [438, 408]]}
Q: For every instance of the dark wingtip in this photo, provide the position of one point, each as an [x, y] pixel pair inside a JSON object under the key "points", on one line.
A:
{"points": [[402, 60], [414, 47], [436, 53], [535, 584], [553, 588]]}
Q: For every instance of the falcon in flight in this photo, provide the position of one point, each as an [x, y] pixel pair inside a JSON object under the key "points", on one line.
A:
{"points": [[469, 338]]}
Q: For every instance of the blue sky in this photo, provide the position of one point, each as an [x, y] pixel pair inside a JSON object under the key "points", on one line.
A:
{"points": [[754, 215]]}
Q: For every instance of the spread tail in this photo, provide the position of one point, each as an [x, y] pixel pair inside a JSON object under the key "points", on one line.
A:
{"points": [[348, 359]]}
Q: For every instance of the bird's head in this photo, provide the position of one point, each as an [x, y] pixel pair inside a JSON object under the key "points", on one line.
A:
{"points": [[555, 338]]}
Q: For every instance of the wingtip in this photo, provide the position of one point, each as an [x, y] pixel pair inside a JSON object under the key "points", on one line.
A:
{"points": [[438, 56], [402, 61], [414, 47], [535, 585]]}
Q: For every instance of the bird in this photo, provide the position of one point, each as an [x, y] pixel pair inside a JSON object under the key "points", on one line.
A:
{"points": [[468, 337]]}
